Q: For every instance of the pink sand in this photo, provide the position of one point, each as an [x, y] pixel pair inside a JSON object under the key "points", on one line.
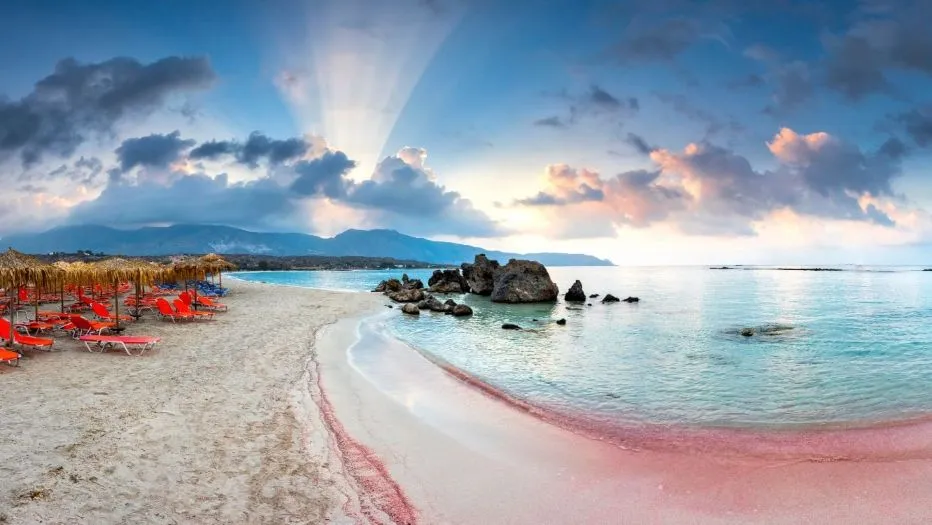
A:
{"points": [[459, 454]]}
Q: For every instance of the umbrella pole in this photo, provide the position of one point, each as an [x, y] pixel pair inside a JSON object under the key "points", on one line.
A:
{"points": [[38, 292], [116, 305], [9, 341], [62, 296]]}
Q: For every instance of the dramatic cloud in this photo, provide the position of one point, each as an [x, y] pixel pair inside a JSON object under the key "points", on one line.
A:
{"points": [[157, 151], [323, 176], [256, 147], [710, 190], [80, 100], [892, 38]]}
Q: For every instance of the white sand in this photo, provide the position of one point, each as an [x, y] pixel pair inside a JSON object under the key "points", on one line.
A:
{"points": [[216, 426]]}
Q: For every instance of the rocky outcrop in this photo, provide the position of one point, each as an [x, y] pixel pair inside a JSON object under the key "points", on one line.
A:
{"points": [[461, 310], [388, 285], [411, 309], [575, 293], [609, 298], [449, 305], [509, 326], [631, 299], [411, 283], [447, 281], [433, 304], [522, 281], [562, 322], [407, 295], [480, 275]]}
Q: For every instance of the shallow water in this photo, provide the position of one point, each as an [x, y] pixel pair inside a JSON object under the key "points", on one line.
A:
{"points": [[853, 346]]}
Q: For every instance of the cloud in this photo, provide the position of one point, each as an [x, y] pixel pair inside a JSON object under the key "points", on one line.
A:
{"points": [[639, 143], [918, 124], [710, 190], [659, 41], [80, 100], [156, 151], [256, 147], [550, 122], [323, 176], [596, 103], [891, 38]]}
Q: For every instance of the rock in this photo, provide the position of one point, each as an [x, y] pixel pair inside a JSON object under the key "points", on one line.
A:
{"points": [[562, 322], [450, 302], [388, 285], [593, 296], [389, 306], [631, 299], [447, 281], [423, 305], [448, 306], [407, 295], [433, 304], [413, 284], [404, 278], [588, 304], [575, 293], [609, 298], [461, 310], [509, 326], [411, 309], [747, 332], [522, 281], [480, 275]]}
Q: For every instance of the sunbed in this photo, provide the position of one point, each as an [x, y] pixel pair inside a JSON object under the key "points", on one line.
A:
{"points": [[132, 344], [24, 340]]}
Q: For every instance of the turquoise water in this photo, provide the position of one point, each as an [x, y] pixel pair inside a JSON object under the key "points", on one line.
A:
{"points": [[860, 347]]}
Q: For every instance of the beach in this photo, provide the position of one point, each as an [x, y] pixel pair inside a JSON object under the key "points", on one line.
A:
{"points": [[291, 409], [212, 427]]}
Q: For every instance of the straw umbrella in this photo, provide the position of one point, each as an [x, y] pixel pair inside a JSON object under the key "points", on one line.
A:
{"points": [[213, 263], [18, 269], [117, 270], [186, 267]]}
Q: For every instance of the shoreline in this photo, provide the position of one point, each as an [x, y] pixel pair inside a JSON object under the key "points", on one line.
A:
{"points": [[426, 421]]}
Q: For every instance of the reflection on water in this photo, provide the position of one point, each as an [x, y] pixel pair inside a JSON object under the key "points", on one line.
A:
{"points": [[860, 347]]}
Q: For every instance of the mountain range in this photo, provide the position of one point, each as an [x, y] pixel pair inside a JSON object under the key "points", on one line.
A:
{"points": [[196, 239]]}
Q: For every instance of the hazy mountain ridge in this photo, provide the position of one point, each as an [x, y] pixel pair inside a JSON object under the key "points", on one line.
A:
{"points": [[224, 239]]}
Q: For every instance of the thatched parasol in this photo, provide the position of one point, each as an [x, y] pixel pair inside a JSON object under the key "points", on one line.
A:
{"points": [[214, 263], [117, 270], [18, 269]]}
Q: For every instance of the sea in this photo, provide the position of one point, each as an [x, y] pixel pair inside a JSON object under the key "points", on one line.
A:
{"points": [[829, 348]]}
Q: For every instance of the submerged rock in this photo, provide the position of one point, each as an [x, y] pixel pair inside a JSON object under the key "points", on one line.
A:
{"points": [[509, 326], [461, 310], [747, 332], [522, 281], [609, 298], [765, 330], [575, 293], [411, 309], [561, 322], [447, 281], [480, 275], [593, 296], [631, 299], [389, 306]]}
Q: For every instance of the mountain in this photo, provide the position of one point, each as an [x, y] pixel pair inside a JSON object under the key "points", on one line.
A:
{"points": [[186, 238]]}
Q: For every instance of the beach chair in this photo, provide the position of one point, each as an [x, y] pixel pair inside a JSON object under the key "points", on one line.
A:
{"points": [[24, 340], [83, 326], [105, 315], [134, 345], [166, 312], [183, 309], [9, 357], [209, 304]]}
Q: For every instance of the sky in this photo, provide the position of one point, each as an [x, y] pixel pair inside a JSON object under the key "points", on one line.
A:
{"points": [[660, 132]]}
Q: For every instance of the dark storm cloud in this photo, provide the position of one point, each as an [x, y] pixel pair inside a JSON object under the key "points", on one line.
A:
{"points": [[154, 151], [257, 146], [80, 100]]}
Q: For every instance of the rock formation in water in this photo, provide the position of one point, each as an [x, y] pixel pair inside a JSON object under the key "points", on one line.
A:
{"points": [[631, 299], [407, 295], [410, 283], [447, 281], [522, 281], [561, 322], [480, 275], [509, 326], [461, 310], [411, 309], [593, 296], [609, 298], [388, 285], [575, 293]]}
